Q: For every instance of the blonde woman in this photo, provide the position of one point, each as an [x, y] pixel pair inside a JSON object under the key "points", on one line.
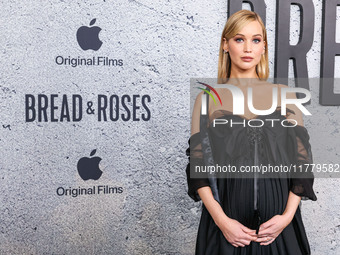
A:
{"points": [[250, 217]]}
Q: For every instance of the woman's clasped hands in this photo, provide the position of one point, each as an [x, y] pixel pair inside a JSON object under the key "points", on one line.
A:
{"points": [[239, 235]]}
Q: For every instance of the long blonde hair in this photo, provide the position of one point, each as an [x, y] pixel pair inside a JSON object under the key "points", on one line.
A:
{"points": [[233, 25]]}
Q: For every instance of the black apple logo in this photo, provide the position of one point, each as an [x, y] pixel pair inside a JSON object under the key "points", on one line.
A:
{"points": [[87, 37], [88, 168]]}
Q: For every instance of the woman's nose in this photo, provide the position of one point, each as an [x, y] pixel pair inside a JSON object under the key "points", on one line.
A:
{"points": [[247, 47]]}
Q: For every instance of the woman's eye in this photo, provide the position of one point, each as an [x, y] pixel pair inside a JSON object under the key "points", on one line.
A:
{"points": [[257, 40], [238, 39]]}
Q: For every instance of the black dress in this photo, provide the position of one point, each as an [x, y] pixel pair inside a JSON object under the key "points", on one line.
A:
{"points": [[235, 146]]}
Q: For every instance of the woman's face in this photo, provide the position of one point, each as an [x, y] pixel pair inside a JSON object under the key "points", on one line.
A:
{"points": [[246, 47]]}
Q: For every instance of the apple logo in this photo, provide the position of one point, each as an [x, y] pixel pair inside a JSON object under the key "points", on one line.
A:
{"points": [[87, 37], [88, 168]]}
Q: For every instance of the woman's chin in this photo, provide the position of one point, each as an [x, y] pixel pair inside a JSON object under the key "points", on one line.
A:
{"points": [[245, 67]]}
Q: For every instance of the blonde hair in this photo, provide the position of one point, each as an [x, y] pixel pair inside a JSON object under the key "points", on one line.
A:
{"points": [[233, 25]]}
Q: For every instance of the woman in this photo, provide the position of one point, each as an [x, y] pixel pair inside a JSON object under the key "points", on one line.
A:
{"points": [[251, 216]]}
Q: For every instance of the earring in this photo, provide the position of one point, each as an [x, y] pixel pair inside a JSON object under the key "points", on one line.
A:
{"points": [[225, 51]]}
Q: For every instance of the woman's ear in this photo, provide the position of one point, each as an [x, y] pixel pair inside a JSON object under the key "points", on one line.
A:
{"points": [[264, 47], [225, 45]]}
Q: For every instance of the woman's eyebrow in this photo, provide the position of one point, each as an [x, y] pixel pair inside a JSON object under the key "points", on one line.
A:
{"points": [[253, 35]]}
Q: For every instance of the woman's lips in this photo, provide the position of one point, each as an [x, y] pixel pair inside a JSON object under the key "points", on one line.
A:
{"points": [[247, 59]]}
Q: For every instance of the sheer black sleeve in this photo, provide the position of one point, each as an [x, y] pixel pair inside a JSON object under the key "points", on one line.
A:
{"points": [[301, 182], [195, 157]]}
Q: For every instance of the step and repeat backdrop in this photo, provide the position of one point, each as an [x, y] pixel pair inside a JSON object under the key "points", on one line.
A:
{"points": [[95, 118]]}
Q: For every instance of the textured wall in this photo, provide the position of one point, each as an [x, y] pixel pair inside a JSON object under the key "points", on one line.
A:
{"points": [[162, 45]]}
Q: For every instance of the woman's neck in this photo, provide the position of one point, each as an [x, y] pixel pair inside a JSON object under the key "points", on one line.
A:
{"points": [[245, 78]]}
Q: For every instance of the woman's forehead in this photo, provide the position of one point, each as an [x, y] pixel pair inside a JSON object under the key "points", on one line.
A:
{"points": [[250, 29]]}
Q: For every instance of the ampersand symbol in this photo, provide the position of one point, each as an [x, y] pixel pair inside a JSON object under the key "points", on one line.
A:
{"points": [[89, 109]]}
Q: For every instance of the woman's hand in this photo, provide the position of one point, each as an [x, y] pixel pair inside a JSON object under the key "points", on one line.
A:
{"points": [[270, 229], [236, 233]]}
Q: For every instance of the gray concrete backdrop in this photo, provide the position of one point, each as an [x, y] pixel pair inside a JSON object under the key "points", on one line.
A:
{"points": [[162, 44]]}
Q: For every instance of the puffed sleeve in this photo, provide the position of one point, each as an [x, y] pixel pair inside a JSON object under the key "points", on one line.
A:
{"points": [[301, 182], [300, 151], [195, 154], [195, 157]]}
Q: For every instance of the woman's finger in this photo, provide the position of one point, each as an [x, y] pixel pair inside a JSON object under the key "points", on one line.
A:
{"points": [[249, 237], [244, 241], [265, 232], [263, 239], [251, 233], [266, 225], [269, 241], [248, 230], [239, 244]]}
